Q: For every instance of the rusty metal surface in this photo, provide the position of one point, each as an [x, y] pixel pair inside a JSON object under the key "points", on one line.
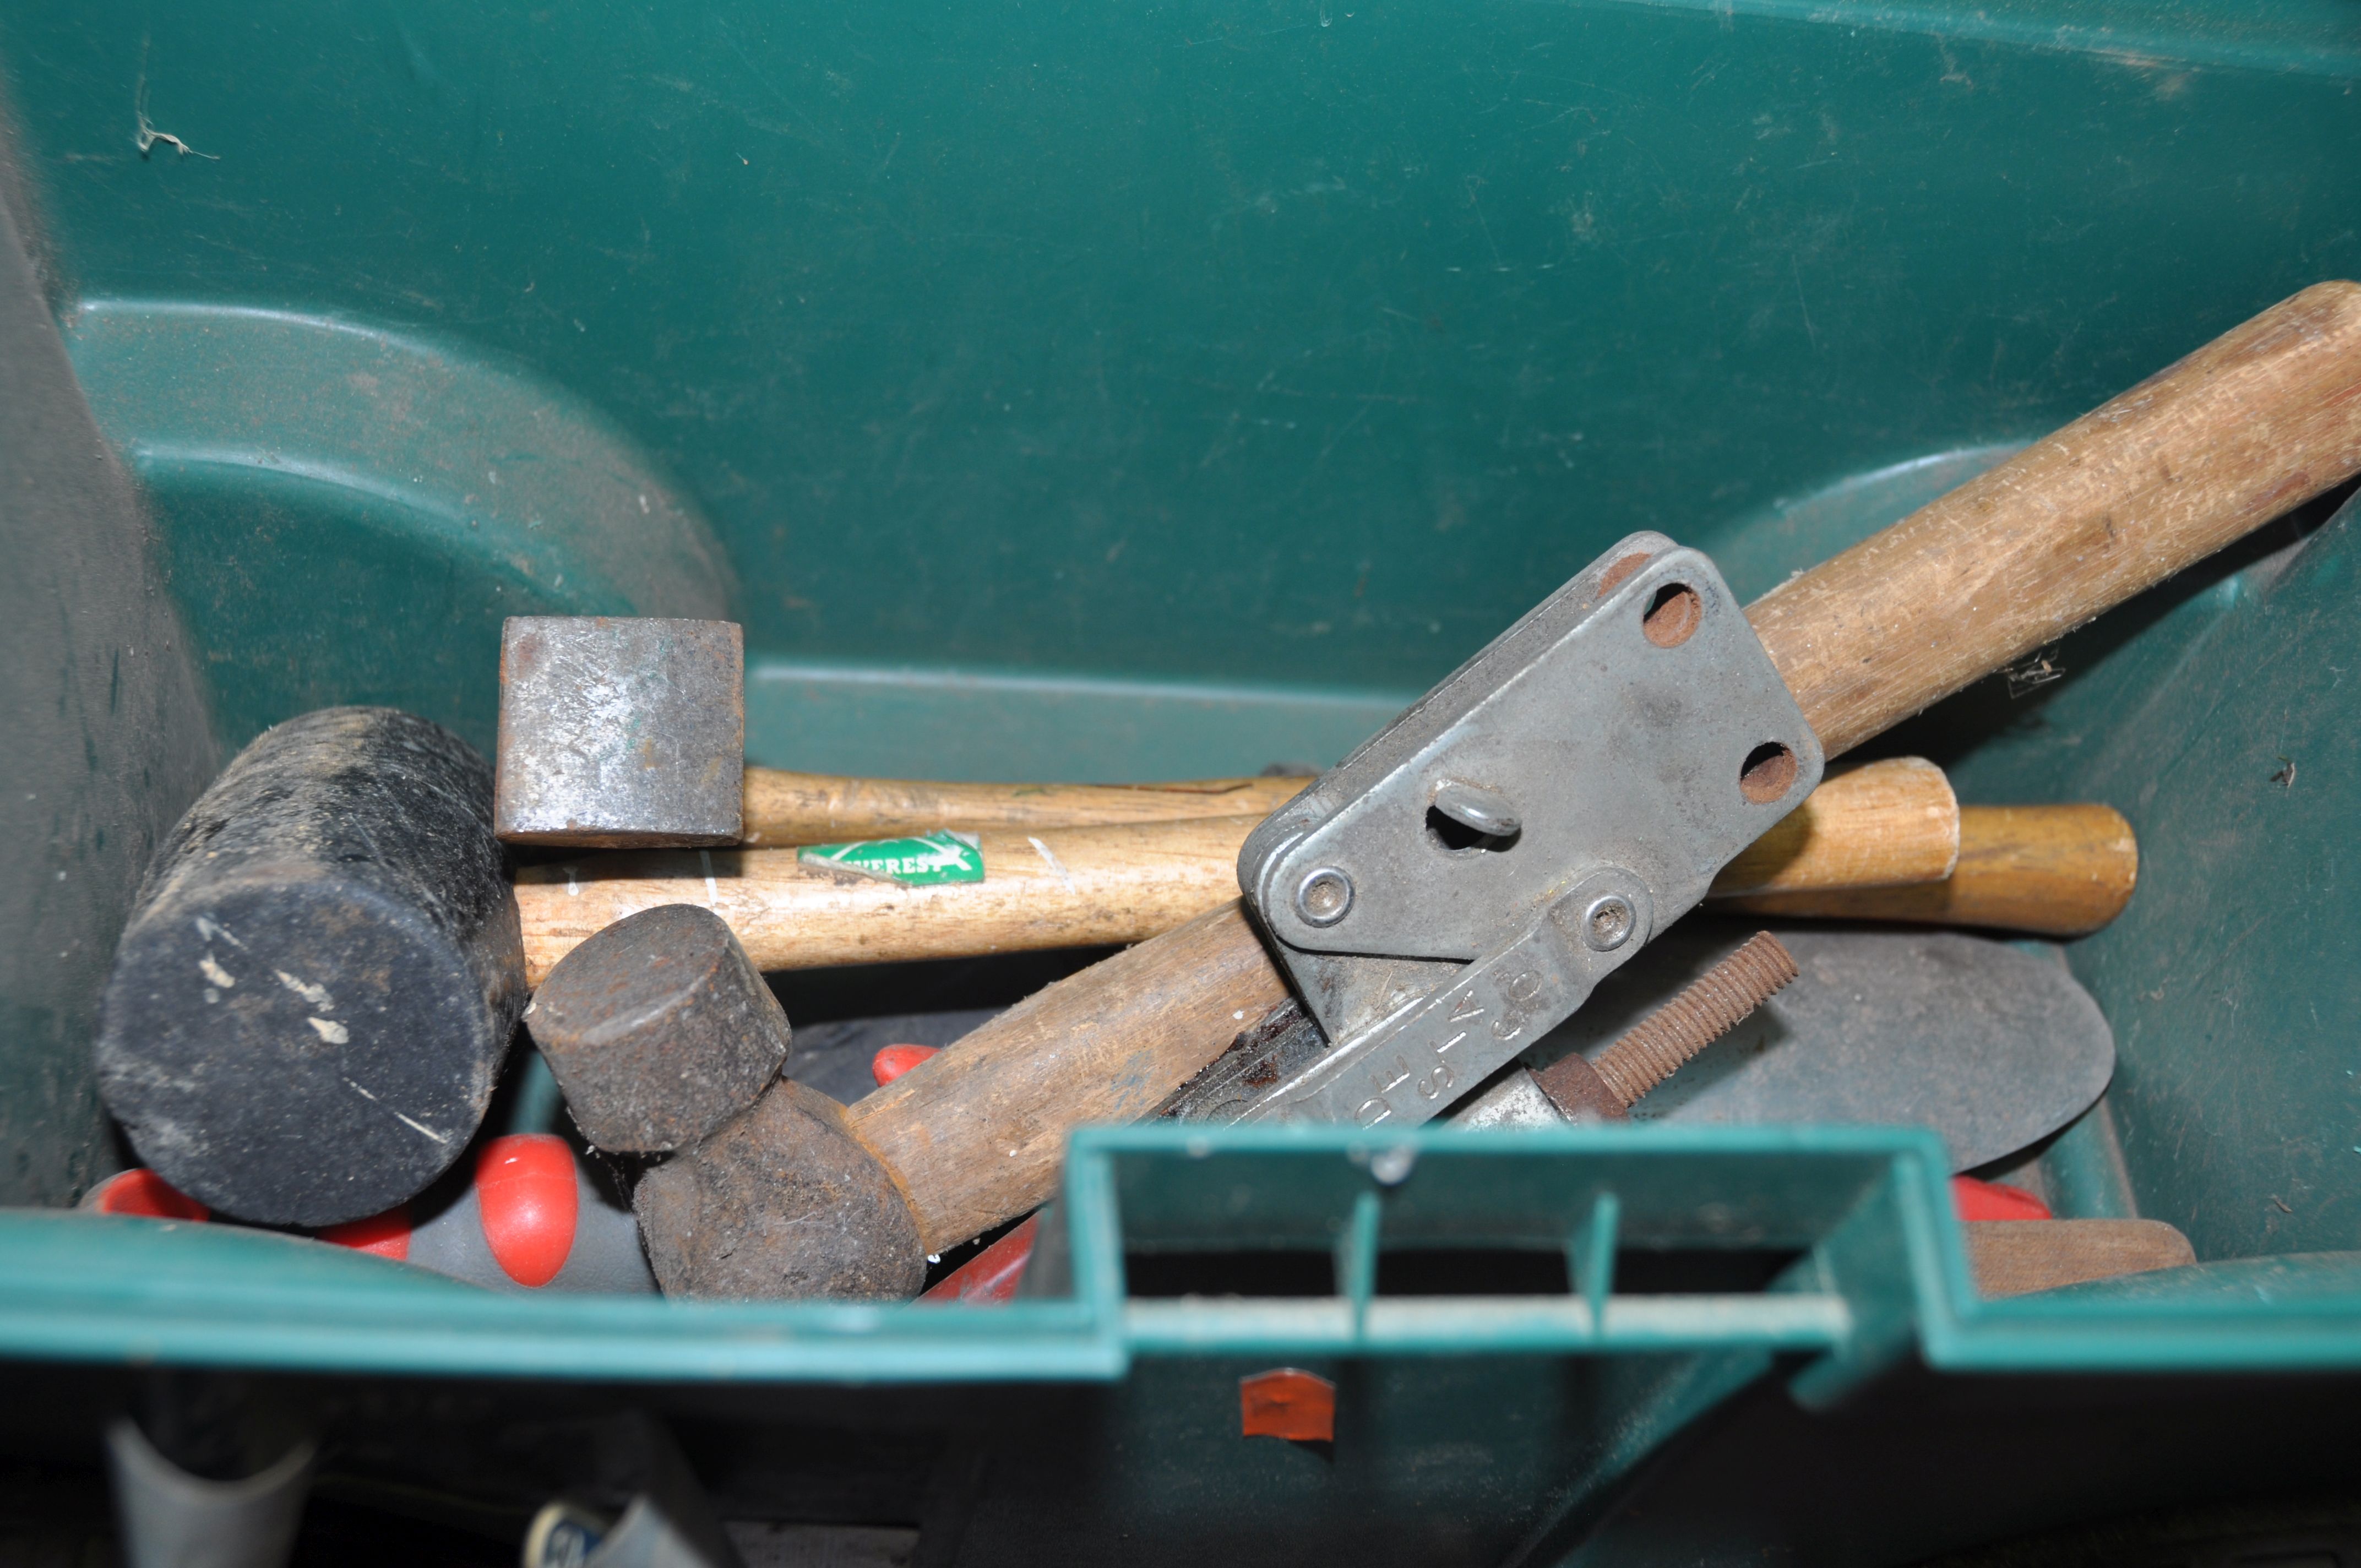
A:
{"points": [[782, 1202], [1707, 1008], [658, 1029], [1577, 1092], [621, 732]]}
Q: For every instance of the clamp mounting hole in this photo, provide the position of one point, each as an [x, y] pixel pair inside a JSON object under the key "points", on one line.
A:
{"points": [[1769, 773], [1457, 837], [1673, 614]]}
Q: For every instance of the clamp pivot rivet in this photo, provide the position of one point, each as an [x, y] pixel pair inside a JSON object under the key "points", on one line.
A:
{"points": [[1607, 924], [1324, 897]]}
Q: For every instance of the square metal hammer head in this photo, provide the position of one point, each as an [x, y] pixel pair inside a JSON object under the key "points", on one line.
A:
{"points": [[619, 732]]}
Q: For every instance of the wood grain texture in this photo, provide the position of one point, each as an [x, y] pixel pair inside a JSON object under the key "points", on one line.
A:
{"points": [[787, 809], [2012, 1258], [1873, 824], [2254, 424], [1053, 888], [2262, 419], [1120, 884], [2051, 871], [976, 1135]]}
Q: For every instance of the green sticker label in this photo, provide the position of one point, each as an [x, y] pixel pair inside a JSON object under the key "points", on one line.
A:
{"points": [[914, 863]]}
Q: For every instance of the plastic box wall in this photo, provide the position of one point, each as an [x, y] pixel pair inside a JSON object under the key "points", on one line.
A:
{"points": [[1055, 391]]}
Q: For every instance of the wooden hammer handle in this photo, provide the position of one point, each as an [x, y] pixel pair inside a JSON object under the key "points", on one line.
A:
{"points": [[2052, 871], [2256, 423], [2260, 420], [1873, 824], [977, 1134], [2015, 1257], [973, 1133], [786, 808], [1052, 888], [1880, 824]]}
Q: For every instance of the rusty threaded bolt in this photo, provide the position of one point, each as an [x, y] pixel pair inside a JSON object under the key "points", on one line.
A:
{"points": [[1707, 1008]]}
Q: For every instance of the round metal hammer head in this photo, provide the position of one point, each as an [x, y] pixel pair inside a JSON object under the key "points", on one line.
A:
{"points": [[621, 732], [659, 1029], [784, 1202]]}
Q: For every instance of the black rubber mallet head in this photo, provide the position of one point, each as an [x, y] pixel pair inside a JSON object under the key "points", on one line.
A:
{"points": [[664, 1038], [658, 1029], [784, 1201], [320, 974]]}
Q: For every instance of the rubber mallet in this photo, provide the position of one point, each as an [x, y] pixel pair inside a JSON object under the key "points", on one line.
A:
{"points": [[802, 1196], [658, 1030], [2247, 427], [625, 732], [321, 973], [662, 1034]]}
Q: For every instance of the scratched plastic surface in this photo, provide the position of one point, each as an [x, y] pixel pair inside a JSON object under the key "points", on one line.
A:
{"points": [[1177, 389]]}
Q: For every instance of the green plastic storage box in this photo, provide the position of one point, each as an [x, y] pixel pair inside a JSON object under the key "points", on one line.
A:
{"points": [[1125, 392]]}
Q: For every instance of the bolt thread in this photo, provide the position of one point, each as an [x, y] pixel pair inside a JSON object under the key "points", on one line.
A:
{"points": [[1708, 1008]]}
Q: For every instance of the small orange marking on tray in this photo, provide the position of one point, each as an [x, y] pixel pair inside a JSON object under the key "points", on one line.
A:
{"points": [[1287, 1402]]}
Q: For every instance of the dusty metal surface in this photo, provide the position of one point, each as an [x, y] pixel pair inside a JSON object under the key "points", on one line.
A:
{"points": [[658, 1029], [1992, 1046], [107, 723], [621, 732], [1458, 885]]}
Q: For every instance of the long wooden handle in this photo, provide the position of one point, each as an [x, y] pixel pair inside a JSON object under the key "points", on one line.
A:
{"points": [[2256, 423], [1875, 825], [2261, 419], [1054, 888], [2051, 871], [784, 808], [1887, 823], [976, 1135]]}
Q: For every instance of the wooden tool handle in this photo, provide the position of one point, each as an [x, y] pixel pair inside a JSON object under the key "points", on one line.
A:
{"points": [[2053, 870], [1874, 825], [784, 808], [1053, 888], [2254, 424], [1062, 887], [976, 1135], [2011, 1257], [2262, 419]]}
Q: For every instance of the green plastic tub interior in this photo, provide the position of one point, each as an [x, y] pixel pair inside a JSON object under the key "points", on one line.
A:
{"points": [[1172, 390]]}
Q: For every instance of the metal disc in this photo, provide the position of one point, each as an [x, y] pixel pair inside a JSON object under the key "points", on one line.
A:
{"points": [[1988, 1044]]}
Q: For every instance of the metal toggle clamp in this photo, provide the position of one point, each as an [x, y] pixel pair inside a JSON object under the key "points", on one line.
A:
{"points": [[1459, 884]]}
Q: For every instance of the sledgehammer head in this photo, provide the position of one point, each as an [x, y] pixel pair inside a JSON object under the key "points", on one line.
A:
{"points": [[621, 732], [321, 973]]}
